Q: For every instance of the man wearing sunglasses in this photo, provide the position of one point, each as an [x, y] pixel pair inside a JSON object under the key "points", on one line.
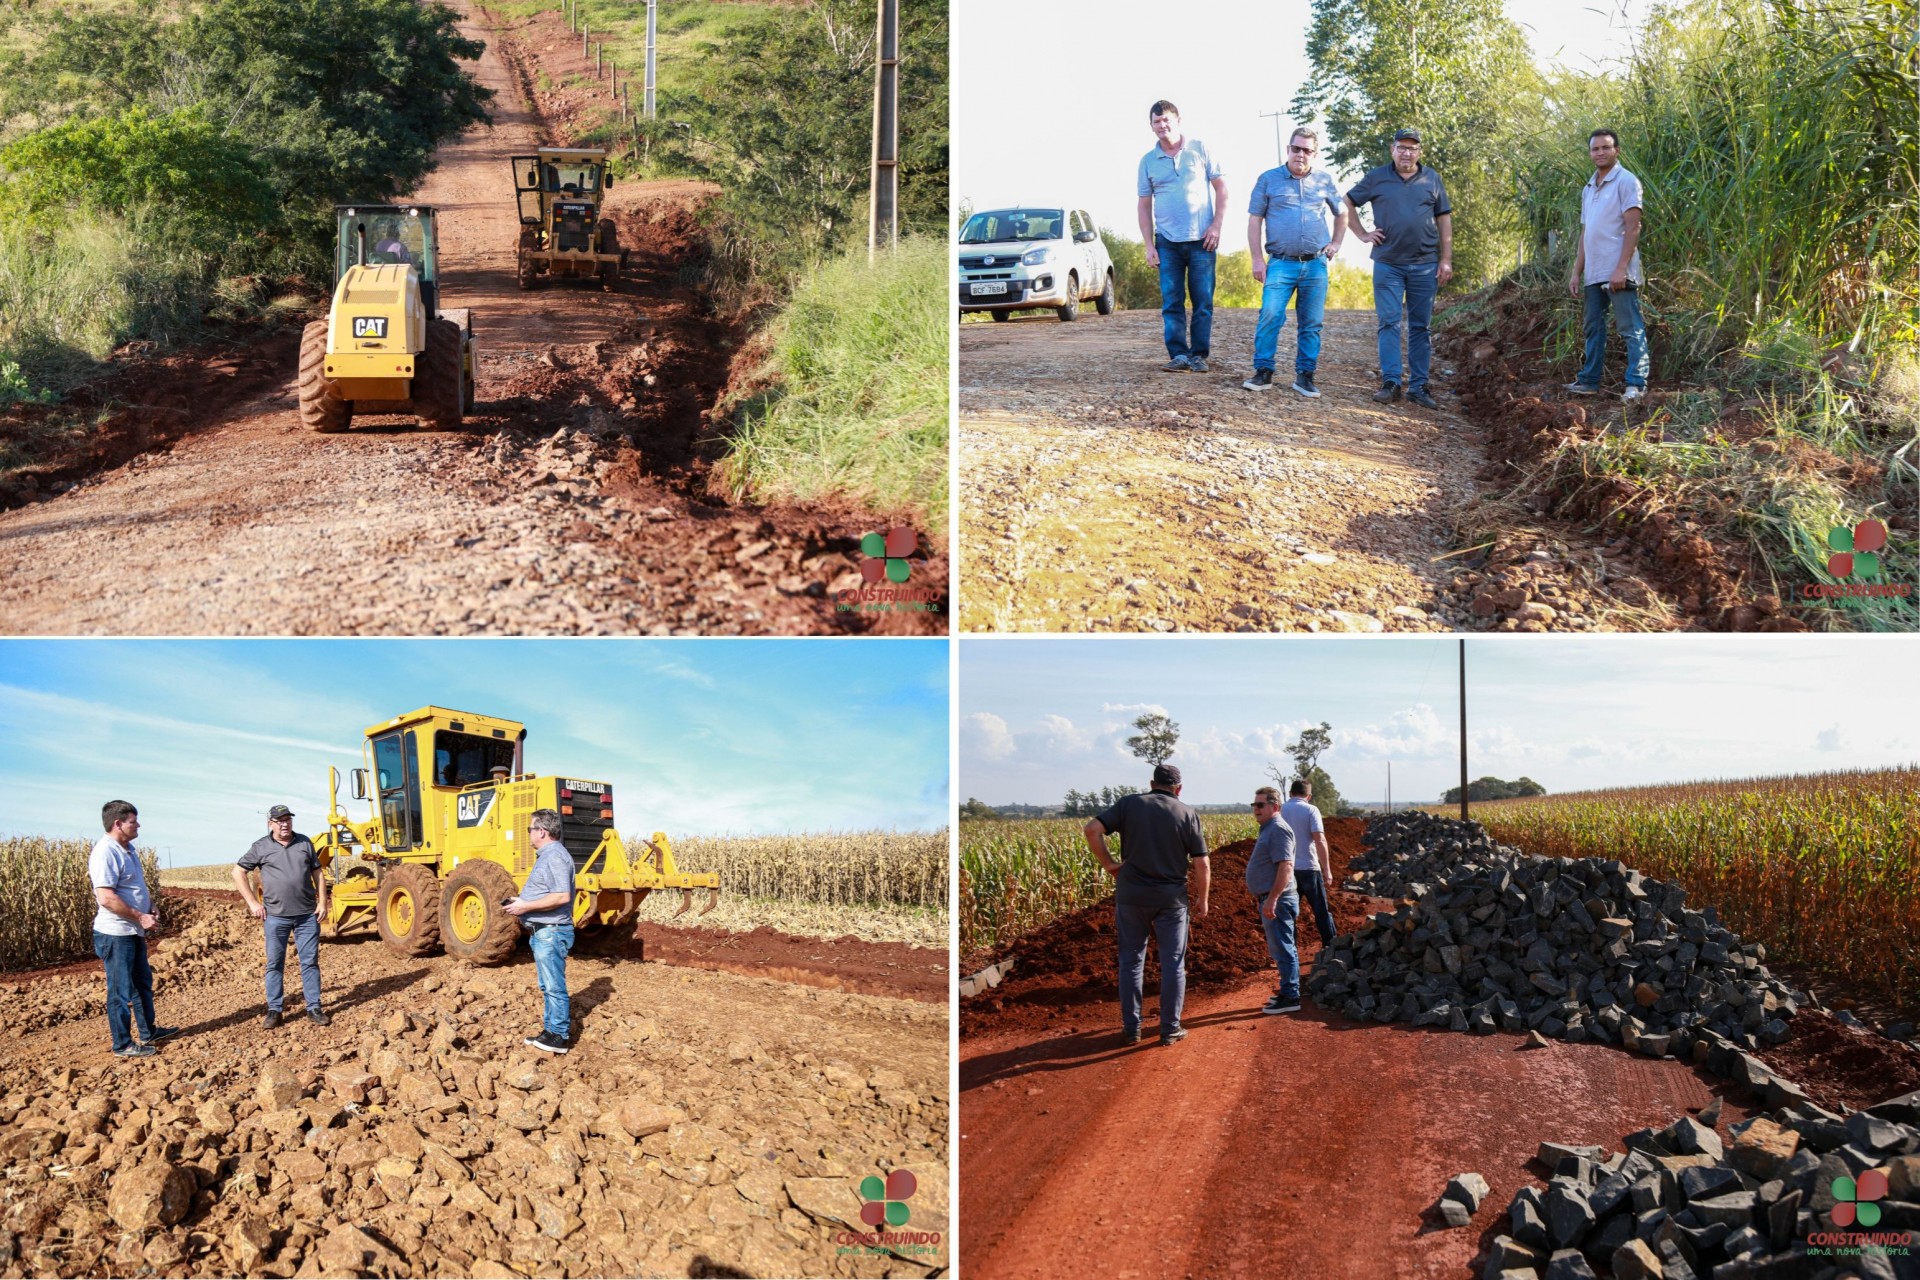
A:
{"points": [[1289, 246], [1412, 244], [1270, 880]]}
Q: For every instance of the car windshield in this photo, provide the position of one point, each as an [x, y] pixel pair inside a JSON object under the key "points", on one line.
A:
{"points": [[1014, 224]]}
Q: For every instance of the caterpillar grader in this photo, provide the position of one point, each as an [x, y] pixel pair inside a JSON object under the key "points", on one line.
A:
{"points": [[446, 843], [559, 191], [386, 346]]}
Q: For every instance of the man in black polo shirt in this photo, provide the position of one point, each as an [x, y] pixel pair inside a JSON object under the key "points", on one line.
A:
{"points": [[1160, 840], [1412, 244], [293, 897]]}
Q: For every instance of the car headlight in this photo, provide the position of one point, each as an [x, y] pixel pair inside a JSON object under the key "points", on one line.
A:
{"points": [[1034, 257]]}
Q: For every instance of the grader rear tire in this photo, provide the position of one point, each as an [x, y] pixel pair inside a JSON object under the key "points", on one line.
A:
{"points": [[527, 269], [609, 242], [473, 925], [440, 384], [408, 913], [320, 409]]}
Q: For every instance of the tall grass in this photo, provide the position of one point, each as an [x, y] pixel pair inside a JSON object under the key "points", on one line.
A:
{"points": [[49, 897], [1824, 868], [858, 405], [843, 868], [1136, 285]]}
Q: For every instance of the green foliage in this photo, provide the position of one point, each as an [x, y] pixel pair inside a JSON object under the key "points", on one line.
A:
{"points": [[1306, 750], [15, 389], [1084, 804], [1156, 739], [860, 400], [1457, 70], [1491, 788], [976, 809], [1136, 286]]}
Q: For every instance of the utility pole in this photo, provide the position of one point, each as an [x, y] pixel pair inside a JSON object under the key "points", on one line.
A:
{"points": [[1463, 730], [883, 202], [1389, 788], [1278, 149], [652, 16]]}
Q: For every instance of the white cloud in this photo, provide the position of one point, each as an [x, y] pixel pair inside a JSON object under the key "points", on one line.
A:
{"points": [[986, 734], [1135, 709], [1829, 739], [1410, 734], [1058, 735]]}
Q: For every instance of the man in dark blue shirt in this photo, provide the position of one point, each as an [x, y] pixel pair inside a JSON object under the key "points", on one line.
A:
{"points": [[545, 907], [1412, 244]]}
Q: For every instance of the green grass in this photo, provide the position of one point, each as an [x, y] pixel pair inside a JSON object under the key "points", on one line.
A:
{"points": [[859, 403]]}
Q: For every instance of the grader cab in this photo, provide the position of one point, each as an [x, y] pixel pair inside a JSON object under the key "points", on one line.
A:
{"points": [[562, 232], [386, 346], [446, 844]]}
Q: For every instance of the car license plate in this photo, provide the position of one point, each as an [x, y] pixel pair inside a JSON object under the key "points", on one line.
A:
{"points": [[994, 286]]}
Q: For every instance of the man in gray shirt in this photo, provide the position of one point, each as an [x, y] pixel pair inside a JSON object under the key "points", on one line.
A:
{"points": [[545, 907], [1606, 268], [293, 897], [1160, 840], [1288, 244], [1183, 197], [1412, 244], [125, 914], [1270, 881]]}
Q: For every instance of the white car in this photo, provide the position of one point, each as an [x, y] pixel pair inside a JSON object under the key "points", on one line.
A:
{"points": [[1025, 258]]}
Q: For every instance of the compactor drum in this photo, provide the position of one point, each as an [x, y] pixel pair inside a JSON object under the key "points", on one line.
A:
{"points": [[562, 232], [386, 345], [446, 844]]}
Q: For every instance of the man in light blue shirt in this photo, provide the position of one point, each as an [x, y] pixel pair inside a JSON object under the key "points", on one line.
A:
{"points": [[1270, 880], [1310, 855], [120, 929], [1289, 246], [545, 907], [1606, 268], [1183, 197]]}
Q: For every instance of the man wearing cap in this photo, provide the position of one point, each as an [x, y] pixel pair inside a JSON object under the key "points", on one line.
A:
{"points": [[1161, 843], [545, 907], [120, 932], [1412, 244], [1183, 197], [293, 897], [1288, 243], [1606, 267], [1270, 881]]}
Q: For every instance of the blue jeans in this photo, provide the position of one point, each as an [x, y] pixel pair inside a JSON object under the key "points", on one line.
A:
{"points": [[129, 985], [1626, 318], [1163, 913], [305, 932], [1279, 930], [1308, 282], [1313, 891], [1415, 283], [550, 946], [1185, 268]]}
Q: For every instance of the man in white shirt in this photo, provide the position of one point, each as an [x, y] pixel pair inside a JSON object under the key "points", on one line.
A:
{"points": [[120, 931], [1606, 268], [1310, 855]]}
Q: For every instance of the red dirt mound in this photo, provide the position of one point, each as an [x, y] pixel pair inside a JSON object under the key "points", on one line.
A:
{"points": [[834, 964], [1841, 1067]]}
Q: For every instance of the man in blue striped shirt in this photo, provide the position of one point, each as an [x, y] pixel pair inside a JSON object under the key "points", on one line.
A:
{"points": [[545, 907], [1288, 242]]}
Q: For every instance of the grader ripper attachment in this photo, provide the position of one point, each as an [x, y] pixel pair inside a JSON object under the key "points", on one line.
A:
{"points": [[560, 190], [386, 345], [446, 844]]}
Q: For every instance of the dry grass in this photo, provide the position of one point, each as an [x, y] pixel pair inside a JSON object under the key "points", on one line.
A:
{"points": [[52, 876], [214, 875]]}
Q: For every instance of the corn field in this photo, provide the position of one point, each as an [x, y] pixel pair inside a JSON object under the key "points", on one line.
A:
{"points": [[50, 900], [1823, 868], [852, 868], [1017, 875]]}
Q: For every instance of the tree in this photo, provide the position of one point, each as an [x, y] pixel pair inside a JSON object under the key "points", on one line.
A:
{"points": [[976, 809], [1457, 70], [1307, 749], [1156, 739], [1491, 788]]}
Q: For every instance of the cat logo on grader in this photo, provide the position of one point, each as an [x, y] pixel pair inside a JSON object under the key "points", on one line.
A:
{"points": [[446, 844]]}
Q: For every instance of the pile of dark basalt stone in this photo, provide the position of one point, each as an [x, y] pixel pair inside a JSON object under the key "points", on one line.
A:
{"points": [[1679, 1204], [1488, 938]]}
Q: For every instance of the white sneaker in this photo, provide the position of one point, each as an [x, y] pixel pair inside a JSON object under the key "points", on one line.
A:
{"points": [[1632, 394]]}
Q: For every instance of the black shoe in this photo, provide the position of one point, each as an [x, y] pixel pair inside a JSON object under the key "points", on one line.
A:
{"points": [[1130, 1037], [1282, 1004], [1178, 364], [1303, 383], [1197, 364], [272, 1019], [1422, 399], [136, 1050], [1388, 394], [1174, 1036], [318, 1018], [1260, 381], [161, 1033], [547, 1043]]}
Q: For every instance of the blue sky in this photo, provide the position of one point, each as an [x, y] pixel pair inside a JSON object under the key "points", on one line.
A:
{"points": [[1023, 134], [1038, 717], [697, 737]]}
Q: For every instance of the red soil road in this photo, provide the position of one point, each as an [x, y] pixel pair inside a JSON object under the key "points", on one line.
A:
{"points": [[1309, 1138]]}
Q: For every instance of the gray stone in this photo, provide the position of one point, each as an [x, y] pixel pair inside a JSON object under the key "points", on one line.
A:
{"points": [[1529, 1228], [1569, 1264], [1509, 1254], [1569, 1216], [1470, 1189], [1635, 1261], [1702, 1182], [1452, 1212], [1552, 1153], [1735, 1209]]}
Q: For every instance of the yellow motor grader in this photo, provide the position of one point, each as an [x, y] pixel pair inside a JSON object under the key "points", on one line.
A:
{"points": [[386, 345], [559, 190], [446, 844]]}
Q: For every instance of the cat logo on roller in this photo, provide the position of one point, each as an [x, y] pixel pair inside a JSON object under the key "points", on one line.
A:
{"points": [[369, 326]]}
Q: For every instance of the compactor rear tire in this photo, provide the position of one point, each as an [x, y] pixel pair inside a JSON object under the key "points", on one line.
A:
{"points": [[408, 913], [320, 408], [608, 241], [473, 925], [440, 382], [527, 269]]}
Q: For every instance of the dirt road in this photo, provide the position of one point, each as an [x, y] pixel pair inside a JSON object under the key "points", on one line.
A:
{"points": [[705, 1123], [575, 502], [1099, 494]]}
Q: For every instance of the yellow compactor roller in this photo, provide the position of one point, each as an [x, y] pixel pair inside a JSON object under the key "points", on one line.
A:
{"points": [[446, 843], [386, 346]]}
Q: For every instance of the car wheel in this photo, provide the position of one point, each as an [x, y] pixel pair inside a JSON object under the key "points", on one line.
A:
{"points": [[998, 316], [1070, 309], [1104, 303]]}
